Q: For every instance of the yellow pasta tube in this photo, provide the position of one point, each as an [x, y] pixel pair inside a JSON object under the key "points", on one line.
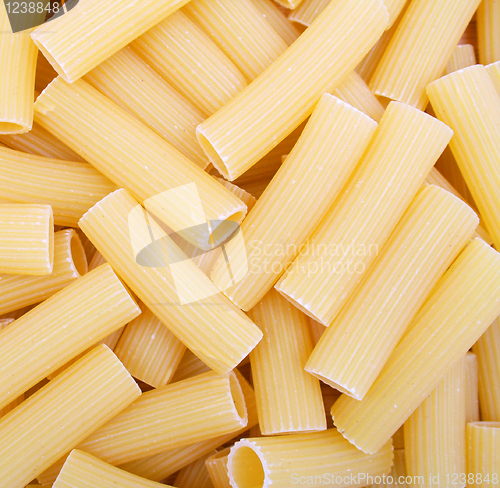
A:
{"points": [[435, 433], [190, 365], [149, 351], [52, 421], [493, 70], [308, 11], [322, 161], [60, 328], [353, 350], [127, 80], [462, 57], [288, 399], [467, 101], [18, 291], [5, 322], [134, 157], [91, 32], [199, 408], [12, 405], [471, 388], [462, 305], [70, 188], [233, 26], [195, 474], [191, 62], [415, 56], [96, 261], [348, 240], [235, 142], [488, 31], [483, 446], [26, 239], [200, 317], [486, 350], [283, 461], [18, 55], [397, 477], [217, 468]]}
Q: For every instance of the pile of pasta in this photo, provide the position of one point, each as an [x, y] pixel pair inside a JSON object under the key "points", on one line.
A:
{"points": [[240, 248]]}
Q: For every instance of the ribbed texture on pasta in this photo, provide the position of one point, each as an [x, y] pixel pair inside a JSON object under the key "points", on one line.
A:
{"points": [[404, 148], [275, 231], [60, 328], [290, 4], [420, 48], [488, 31], [235, 142], [81, 470], [190, 365], [468, 102], [210, 325], [26, 239], [248, 199], [435, 432], [133, 156], [56, 418], [487, 350], [308, 11], [269, 461], [70, 188], [288, 399], [471, 388], [353, 350], [5, 322], [174, 416], [217, 468], [398, 472], [92, 31], [462, 305], [494, 72], [149, 351], [18, 55], [462, 57], [187, 58], [127, 80], [20, 399], [18, 291], [195, 474], [483, 446], [40, 142]]}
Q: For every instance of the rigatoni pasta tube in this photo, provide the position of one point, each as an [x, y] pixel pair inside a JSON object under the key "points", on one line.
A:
{"points": [[353, 350], [190, 365], [127, 80], [462, 305], [60, 328], [91, 32], [52, 421], [346, 243], [320, 164], [308, 11], [483, 446], [468, 102], [463, 56], [415, 56], [18, 291], [133, 156], [235, 142], [471, 388], [70, 188], [488, 31], [493, 70], [26, 239], [200, 317], [217, 468], [194, 474], [435, 433], [176, 415], [397, 476], [288, 399], [283, 461]]}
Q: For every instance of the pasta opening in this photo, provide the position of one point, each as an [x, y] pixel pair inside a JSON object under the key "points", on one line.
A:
{"points": [[213, 156], [77, 253], [485, 425], [246, 468], [52, 61], [226, 229], [13, 128], [238, 398], [331, 383]]}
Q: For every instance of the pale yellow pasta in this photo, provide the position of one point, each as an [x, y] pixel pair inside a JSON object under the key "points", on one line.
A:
{"points": [[190, 365], [51, 422], [60, 328], [248, 199], [462, 57], [483, 446], [488, 31], [308, 11], [191, 62], [127, 80], [96, 261], [275, 231], [283, 461], [133, 156], [26, 239], [353, 350], [238, 135], [493, 70], [5, 322], [397, 474], [200, 317], [462, 305], [149, 351], [435, 433], [15, 403], [19, 291], [195, 474], [288, 399], [471, 388], [216, 465], [468, 103], [486, 350], [416, 56], [71, 188], [91, 32], [348, 240]]}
